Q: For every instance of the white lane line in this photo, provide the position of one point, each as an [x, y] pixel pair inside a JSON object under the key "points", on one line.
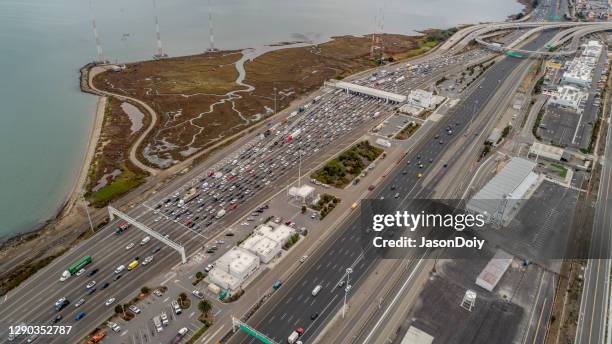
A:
{"points": [[400, 292], [212, 336]]}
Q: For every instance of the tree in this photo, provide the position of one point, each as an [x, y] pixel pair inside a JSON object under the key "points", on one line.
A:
{"points": [[145, 290], [205, 307], [303, 209], [118, 309], [183, 296], [199, 275]]}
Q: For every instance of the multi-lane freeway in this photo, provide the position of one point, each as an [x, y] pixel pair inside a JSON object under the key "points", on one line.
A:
{"points": [[294, 306], [258, 169]]}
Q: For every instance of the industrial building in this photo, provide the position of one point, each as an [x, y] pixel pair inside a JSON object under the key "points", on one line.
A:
{"points": [[233, 268], [368, 91], [579, 71], [265, 248], [568, 97], [494, 270], [501, 197]]}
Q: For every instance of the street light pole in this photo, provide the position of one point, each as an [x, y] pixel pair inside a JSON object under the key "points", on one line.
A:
{"points": [[275, 100], [87, 211], [346, 289]]}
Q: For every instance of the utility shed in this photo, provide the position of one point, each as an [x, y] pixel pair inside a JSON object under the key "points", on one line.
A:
{"points": [[416, 336], [494, 271], [504, 191]]}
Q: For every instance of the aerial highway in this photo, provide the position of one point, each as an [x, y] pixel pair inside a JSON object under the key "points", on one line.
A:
{"points": [[192, 228], [294, 306], [594, 305]]}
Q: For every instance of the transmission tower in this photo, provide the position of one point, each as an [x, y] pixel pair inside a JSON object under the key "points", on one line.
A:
{"points": [[211, 29], [97, 37], [160, 50]]}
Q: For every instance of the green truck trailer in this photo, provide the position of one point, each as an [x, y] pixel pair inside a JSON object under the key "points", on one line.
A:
{"points": [[74, 268]]}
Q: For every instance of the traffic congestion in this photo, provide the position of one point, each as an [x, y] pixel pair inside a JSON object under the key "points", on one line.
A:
{"points": [[190, 214]]}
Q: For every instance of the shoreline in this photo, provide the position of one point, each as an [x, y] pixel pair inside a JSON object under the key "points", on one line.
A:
{"points": [[77, 187], [69, 211]]}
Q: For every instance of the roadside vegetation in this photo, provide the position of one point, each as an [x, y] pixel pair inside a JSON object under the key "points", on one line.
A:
{"points": [[326, 204], [292, 241], [340, 171], [408, 130]]}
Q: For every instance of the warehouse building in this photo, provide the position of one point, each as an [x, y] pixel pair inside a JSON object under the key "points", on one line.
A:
{"points": [[233, 268], [568, 97], [500, 199]]}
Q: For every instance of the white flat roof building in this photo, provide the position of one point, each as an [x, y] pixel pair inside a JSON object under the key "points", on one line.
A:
{"points": [[369, 91], [546, 151], [494, 271], [265, 248], [502, 195], [233, 268], [304, 192], [417, 336], [280, 233], [568, 97], [424, 99], [411, 110]]}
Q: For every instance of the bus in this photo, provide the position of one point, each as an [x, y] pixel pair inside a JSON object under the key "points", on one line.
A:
{"points": [[515, 54]]}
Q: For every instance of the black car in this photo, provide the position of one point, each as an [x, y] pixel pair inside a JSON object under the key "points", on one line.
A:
{"points": [[93, 272], [104, 285], [156, 249], [229, 234], [91, 291], [116, 277], [314, 316], [57, 318]]}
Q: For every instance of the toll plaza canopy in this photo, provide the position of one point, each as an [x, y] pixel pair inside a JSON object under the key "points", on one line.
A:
{"points": [[369, 91]]}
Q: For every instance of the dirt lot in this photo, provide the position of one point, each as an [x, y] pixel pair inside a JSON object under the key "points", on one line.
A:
{"points": [[196, 100]]}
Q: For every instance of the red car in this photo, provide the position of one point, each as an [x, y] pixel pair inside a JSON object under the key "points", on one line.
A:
{"points": [[234, 206], [371, 187], [210, 173]]}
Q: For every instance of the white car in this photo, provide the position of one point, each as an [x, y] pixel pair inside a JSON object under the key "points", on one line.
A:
{"points": [[129, 246], [198, 294], [147, 260], [303, 259], [114, 326], [90, 284], [157, 292], [80, 272], [110, 301], [78, 303], [119, 269], [135, 309]]}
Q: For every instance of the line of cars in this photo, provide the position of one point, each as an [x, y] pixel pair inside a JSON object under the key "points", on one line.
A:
{"points": [[198, 204], [92, 286]]}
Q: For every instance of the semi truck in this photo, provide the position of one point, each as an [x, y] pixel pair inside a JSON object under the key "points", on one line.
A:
{"points": [[78, 265]]}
